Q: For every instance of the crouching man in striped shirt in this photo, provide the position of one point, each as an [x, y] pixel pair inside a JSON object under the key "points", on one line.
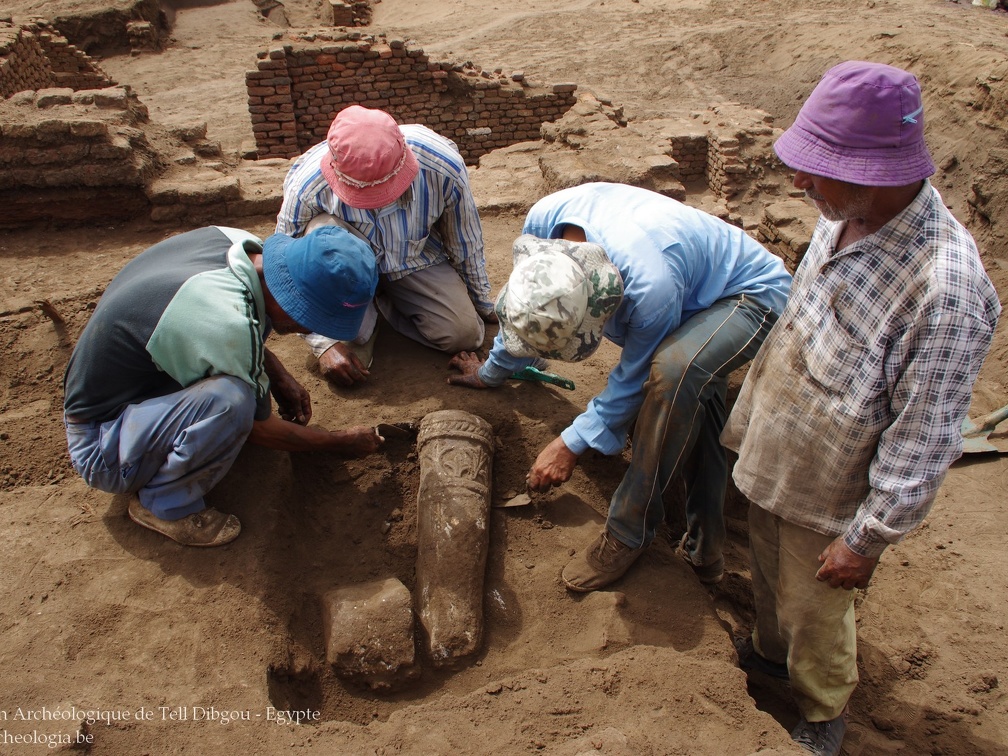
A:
{"points": [[405, 191]]}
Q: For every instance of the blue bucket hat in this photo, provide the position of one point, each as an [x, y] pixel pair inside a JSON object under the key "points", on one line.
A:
{"points": [[324, 280]]}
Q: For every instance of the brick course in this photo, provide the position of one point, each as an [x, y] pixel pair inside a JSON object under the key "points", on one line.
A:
{"points": [[299, 86], [35, 56], [73, 155]]}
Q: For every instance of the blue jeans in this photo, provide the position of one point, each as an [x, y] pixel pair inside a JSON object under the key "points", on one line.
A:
{"points": [[679, 424], [169, 450]]}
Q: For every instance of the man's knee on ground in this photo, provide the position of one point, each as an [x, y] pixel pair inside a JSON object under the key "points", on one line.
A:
{"points": [[467, 336]]}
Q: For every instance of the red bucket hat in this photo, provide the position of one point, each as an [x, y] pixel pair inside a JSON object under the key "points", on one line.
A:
{"points": [[863, 124], [368, 164]]}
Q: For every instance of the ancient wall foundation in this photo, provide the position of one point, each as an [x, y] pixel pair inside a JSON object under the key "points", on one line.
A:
{"points": [[104, 28], [35, 56], [718, 147], [73, 155], [299, 86], [73, 147], [143, 36], [350, 12], [786, 229], [690, 152]]}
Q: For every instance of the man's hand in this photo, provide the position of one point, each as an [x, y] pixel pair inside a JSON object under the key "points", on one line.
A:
{"points": [[842, 568], [360, 441], [282, 435], [554, 465], [293, 400], [468, 364], [338, 363]]}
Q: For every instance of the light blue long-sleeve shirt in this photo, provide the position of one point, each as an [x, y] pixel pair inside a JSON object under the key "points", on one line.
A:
{"points": [[674, 260]]}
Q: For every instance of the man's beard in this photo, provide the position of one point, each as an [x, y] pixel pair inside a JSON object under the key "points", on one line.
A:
{"points": [[856, 205]]}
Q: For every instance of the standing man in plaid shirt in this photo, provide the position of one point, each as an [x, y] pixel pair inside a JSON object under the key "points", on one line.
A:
{"points": [[850, 414]]}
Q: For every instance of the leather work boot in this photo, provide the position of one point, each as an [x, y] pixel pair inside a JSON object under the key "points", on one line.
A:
{"points": [[751, 660], [209, 527], [606, 560], [820, 738], [708, 574]]}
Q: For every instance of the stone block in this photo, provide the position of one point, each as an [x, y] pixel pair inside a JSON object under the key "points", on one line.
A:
{"points": [[111, 97], [48, 98], [368, 632]]}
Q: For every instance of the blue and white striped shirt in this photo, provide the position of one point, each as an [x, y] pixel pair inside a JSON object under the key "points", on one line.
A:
{"points": [[434, 221]]}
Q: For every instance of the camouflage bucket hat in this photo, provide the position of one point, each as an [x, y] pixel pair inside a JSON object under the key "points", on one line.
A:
{"points": [[557, 299]]}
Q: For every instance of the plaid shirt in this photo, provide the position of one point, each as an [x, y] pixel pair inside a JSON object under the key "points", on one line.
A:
{"points": [[851, 412], [433, 222]]}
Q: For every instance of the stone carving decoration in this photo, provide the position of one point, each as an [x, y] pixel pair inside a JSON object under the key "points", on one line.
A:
{"points": [[455, 450]]}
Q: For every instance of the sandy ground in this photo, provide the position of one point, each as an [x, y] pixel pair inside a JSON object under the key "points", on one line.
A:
{"points": [[185, 651]]}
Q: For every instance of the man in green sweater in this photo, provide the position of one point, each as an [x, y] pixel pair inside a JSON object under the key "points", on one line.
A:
{"points": [[171, 376]]}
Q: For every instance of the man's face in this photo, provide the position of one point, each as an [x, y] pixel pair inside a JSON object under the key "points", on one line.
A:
{"points": [[280, 321], [836, 200], [288, 327]]}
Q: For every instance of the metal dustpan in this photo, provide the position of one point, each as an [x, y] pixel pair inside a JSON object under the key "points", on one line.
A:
{"points": [[976, 433]]}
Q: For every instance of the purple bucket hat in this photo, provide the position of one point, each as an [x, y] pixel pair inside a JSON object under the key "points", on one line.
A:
{"points": [[863, 124]]}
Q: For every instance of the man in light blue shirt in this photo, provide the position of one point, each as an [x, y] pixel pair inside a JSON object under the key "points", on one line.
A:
{"points": [[689, 298]]}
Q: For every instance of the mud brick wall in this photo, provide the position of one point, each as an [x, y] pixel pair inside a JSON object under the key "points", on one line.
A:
{"points": [[690, 151], [34, 56], [727, 145], [714, 156], [68, 155], [103, 28], [786, 229], [726, 172], [143, 35], [298, 87], [350, 13]]}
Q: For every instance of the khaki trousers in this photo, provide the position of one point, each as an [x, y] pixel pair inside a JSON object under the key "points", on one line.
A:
{"points": [[800, 620], [430, 306]]}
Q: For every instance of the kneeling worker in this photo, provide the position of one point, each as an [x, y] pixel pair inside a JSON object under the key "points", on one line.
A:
{"points": [[689, 298], [170, 376]]}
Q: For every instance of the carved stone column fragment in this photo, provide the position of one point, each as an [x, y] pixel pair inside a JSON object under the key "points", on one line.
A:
{"points": [[453, 506]]}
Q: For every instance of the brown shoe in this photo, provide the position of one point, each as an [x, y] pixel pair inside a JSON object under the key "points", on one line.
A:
{"points": [[207, 528], [603, 562], [708, 574]]}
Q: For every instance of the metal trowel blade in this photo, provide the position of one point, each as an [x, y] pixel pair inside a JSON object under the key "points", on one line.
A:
{"points": [[396, 430], [515, 501]]}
